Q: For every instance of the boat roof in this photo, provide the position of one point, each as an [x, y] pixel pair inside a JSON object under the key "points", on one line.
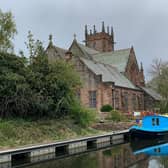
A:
{"points": [[155, 116]]}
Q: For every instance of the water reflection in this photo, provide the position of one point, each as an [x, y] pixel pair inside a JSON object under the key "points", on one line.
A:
{"points": [[120, 156], [150, 147], [156, 149], [135, 154]]}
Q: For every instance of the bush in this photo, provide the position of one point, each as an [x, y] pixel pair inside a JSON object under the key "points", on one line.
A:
{"points": [[163, 105], [106, 108], [117, 116], [36, 90], [83, 116]]}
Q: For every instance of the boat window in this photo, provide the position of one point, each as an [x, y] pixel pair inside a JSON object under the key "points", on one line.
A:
{"points": [[153, 121], [157, 121], [157, 150]]}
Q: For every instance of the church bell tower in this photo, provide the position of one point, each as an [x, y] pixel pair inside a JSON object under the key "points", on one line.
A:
{"points": [[101, 41]]}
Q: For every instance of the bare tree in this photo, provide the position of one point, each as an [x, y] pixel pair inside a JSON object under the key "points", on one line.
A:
{"points": [[157, 66]]}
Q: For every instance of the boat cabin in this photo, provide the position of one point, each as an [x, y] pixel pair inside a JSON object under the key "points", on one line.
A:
{"points": [[155, 121]]}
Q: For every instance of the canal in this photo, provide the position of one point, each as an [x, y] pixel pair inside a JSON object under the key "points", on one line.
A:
{"points": [[134, 154]]}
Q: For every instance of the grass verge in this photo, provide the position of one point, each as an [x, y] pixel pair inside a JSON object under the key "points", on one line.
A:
{"points": [[19, 132]]}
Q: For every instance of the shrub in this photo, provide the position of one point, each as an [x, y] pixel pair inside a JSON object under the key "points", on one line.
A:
{"points": [[117, 116], [36, 90], [83, 116], [106, 108], [163, 105]]}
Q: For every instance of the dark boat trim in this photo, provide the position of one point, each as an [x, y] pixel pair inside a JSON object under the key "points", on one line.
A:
{"points": [[147, 134]]}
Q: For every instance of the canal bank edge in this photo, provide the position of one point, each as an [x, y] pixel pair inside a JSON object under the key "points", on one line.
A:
{"points": [[33, 151]]}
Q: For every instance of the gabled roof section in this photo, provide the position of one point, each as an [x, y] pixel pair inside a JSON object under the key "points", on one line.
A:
{"points": [[85, 51], [88, 50], [60, 51], [152, 93], [109, 74], [120, 79], [118, 58], [55, 52], [94, 60]]}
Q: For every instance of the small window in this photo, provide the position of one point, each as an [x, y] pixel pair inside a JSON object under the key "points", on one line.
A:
{"points": [[157, 121], [158, 150], [153, 121]]}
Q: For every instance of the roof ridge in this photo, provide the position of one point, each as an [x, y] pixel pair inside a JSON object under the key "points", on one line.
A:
{"points": [[108, 52], [88, 47], [60, 48], [123, 49], [55, 47]]}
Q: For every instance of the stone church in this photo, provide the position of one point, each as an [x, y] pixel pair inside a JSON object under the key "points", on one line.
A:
{"points": [[109, 76]]}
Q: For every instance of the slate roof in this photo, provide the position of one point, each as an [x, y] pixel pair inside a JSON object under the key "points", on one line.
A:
{"points": [[108, 73], [88, 50], [118, 58], [60, 51], [152, 93], [56, 52]]}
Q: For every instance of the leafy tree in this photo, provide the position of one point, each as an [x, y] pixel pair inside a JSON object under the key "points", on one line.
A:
{"points": [[54, 83], [61, 84], [38, 89], [15, 93], [7, 31]]}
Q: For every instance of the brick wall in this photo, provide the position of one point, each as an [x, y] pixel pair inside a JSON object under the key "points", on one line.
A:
{"points": [[92, 82], [105, 92], [135, 100]]}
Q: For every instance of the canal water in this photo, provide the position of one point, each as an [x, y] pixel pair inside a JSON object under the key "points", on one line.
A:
{"points": [[134, 154]]}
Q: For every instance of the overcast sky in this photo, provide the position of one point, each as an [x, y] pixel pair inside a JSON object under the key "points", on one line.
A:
{"points": [[142, 24]]}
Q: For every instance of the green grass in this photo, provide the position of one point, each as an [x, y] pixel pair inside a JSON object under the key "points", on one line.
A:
{"points": [[18, 132]]}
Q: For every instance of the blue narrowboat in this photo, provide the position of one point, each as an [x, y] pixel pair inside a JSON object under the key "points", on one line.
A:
{"points": [[152, 127]]}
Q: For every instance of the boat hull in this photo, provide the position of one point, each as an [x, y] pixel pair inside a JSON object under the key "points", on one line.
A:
{"points": [[147, 134]]}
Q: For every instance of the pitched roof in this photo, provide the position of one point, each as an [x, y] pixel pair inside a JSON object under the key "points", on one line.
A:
{"points": [[120, 79], [152, 93], [109, 73], [55, 52], [60, 51], [118, 58], [88, 50]]}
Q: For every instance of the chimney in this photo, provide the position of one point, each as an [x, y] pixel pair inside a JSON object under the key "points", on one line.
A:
{"points": [[68, 56]]}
